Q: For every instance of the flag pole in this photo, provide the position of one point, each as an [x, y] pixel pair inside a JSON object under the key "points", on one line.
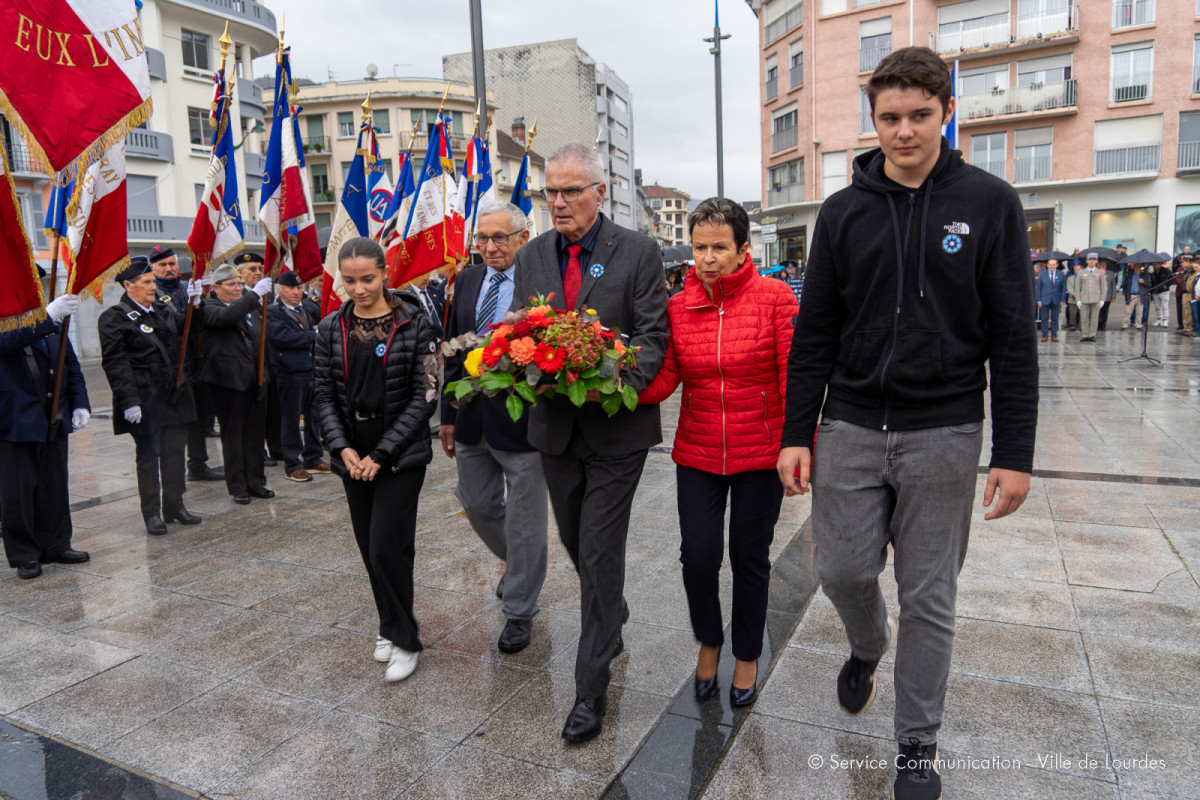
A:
{"points": [[226, 43], [56, 394], [262, 329]]}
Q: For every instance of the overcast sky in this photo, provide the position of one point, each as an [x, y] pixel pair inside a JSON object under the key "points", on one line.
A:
{"points": [[654, 45]]}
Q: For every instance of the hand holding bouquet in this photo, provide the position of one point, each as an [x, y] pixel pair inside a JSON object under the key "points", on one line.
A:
{"points": [[539, 349]]}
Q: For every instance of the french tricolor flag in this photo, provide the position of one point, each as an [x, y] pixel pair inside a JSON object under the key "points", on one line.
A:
{"points": [[474, 187], [95, 223], [217, 230], [433, 237]]}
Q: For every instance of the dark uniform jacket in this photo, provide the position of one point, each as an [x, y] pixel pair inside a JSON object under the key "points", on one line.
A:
{"points": [[289, 344], [230, 342], [22, 413], [139, 352]]}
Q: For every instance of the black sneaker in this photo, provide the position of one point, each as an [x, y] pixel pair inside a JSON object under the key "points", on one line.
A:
{"points": [[917, 777], [856, 681]]}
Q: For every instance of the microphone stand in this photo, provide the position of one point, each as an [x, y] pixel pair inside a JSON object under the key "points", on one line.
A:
{"points": [[1148, 295]]}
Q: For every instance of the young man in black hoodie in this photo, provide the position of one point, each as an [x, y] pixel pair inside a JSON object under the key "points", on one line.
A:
{"points": [[918, 278]]}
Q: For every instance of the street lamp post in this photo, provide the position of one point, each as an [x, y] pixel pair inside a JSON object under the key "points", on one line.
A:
{"points": [[716, 51], [477, 60]]}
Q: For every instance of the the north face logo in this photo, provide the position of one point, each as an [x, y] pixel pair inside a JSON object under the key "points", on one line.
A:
{"points": [[961, 228]]}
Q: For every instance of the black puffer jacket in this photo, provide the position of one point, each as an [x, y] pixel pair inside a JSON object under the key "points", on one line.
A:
{"points": [[406, 440]]}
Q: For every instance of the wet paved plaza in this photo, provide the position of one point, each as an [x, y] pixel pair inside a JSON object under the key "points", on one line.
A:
{"points": [[233, 658]]}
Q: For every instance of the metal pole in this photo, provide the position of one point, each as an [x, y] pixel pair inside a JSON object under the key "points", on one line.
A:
{"points": [[478, 62], [716, 51]]}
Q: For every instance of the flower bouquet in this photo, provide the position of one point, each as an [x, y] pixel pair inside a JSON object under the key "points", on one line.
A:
{"points": [[541, 350]]}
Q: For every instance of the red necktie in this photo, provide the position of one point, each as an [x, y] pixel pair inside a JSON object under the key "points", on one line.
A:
{"points": [[573, 278]]}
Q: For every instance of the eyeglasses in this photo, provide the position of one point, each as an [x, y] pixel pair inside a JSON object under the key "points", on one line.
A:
{"points": [[500, 239], [569, 194]]}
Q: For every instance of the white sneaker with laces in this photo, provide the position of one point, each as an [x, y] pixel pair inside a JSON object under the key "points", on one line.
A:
{"points": [[383, 650], [400, 666]]}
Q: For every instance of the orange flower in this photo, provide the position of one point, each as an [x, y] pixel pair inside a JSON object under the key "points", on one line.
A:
{"points": [[493, 351], [501, 331], [540, 317], [521, 351], [619, 346], [598, 328]]}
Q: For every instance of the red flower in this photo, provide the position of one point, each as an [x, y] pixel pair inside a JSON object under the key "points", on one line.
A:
{"points": [[522, 329], [548, 359], [540, 317], [493, 351]]}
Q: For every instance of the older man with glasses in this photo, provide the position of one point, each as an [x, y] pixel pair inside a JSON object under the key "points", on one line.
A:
{"points": [[489, 448]]}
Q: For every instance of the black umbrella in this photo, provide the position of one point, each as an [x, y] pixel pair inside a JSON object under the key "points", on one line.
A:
{"points": [[681, 253], [1144, 257], [1102, 253], [1049, 254], [1164, 257]]}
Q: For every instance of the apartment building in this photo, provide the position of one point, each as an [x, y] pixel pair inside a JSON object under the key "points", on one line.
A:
{"points": [[506, 165], [670, 208], [1091, 110]]}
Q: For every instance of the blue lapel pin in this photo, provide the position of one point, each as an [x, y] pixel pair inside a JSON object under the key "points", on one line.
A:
{"points": [[596, 270]]}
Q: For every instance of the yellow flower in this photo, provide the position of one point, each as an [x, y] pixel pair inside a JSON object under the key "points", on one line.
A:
{"points": [[471, 363]]}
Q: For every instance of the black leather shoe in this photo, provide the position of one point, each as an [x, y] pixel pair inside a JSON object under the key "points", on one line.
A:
{"points": [[707, 689], [33, 569], [270, 462], [155, 526], [515, 636], [264, 493], [241, 499], [585, 720], [182, 516], [206, 473], [69, 556], [619, 647], [739, 698]]}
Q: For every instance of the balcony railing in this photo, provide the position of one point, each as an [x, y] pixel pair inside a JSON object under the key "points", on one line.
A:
{"points": [[158, 229], [971, 33], [772, 88], [253, 230], [782, 140], [1126, 88], [793, 17], [1035, 168], [19, 160], [315, 145], [1023, 100], [155, 145], [1189, 156], [247, 11], [796, 75], [1128, 160], [1127, 13], [786, 193], [1032, 26], [869, 57], [992, 165]]}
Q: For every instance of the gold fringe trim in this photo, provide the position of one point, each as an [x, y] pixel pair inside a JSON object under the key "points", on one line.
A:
{"points": [[36, 315], [96, 288], [209, 261], [91, 153]]}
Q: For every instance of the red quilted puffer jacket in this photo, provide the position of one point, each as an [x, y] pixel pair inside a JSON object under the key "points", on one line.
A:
{"points": [[730, 352]]}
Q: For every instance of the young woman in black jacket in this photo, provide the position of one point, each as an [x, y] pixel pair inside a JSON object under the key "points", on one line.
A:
{"points": [[373, 406]]}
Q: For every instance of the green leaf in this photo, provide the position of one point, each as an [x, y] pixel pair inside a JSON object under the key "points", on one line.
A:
{"points": [[491, 381], [562, 382], [611, 404], [629, 396], [590, 373], [515, 407], [577, 393], [526, 392], [462, 388], [607, 385]]}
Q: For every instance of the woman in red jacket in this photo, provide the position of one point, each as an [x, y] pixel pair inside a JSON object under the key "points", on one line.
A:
{"points": [[731, 330]]}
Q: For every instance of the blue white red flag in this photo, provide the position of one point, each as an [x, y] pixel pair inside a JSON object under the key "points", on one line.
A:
{"points": [[217, 230], [401, 203], [285, 199], [95, 220], [950, 129], [474, 187], [521, 197], [350, 221]]}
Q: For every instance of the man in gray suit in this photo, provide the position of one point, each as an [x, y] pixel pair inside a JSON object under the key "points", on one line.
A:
{"points": [[593, 462]]}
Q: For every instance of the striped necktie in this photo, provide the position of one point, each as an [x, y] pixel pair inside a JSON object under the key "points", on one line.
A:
{"points": [[488, 310]]}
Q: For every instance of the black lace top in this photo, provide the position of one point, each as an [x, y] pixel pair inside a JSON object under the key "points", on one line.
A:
{"points": [[366, 344]]}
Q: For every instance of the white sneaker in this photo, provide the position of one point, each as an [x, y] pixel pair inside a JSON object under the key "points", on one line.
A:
{"points": [[383, 650], [400, 666]]}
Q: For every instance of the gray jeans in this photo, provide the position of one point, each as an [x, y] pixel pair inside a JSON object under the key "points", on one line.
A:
{"points": [[914, 490], [514, 528]]}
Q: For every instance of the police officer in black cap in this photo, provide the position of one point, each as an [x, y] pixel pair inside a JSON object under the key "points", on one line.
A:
{"points": [[249, 266], [139, 345]]}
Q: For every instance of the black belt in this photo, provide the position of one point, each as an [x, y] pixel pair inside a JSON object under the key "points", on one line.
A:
{"points": [[361, 417]]}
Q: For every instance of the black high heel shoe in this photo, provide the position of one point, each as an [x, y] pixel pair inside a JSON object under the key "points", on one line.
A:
{"points": [[739, 698], [706, 689]]}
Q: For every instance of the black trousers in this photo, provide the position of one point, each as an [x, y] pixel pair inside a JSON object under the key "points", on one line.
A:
{"points": [[383, 513], [274, 445], [161, 453], [1102, 320], [755, 498], [592, 496], [197, 444], [295, 399], [1178, 308], [35, 515], [243, 419]]}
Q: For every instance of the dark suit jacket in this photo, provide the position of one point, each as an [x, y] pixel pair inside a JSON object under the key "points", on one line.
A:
{"points": [[22, 418], [1051, 293], [629, 294], [482, 416], [230, 341], [290, 346]]}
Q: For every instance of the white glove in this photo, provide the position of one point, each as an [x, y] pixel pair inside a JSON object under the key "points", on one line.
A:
{"points": [[133, 415], [206, 280], [62, 306], [1103, 303], [262, 287], [79, 418], [194, 291], [1079, 303]]}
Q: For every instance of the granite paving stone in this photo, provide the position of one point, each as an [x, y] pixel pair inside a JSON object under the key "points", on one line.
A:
{"points": [[326, 599], [1152, 672], [470, 772], [52, 665], [238, 642], [327, 668], [164, 617], [1169, 618], [250, 582], [1142, 733]]}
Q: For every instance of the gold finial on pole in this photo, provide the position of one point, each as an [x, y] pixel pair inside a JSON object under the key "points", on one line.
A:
{"points": [[445, 94], [279, 50], [478, 118], [488, 131], [366, 108], [599, 133], [412, 137], [532, 133]]}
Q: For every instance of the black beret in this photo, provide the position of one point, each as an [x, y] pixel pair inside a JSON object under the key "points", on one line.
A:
{"points": [[246, 258], [158, 253], [288, 278], [138, 265]]}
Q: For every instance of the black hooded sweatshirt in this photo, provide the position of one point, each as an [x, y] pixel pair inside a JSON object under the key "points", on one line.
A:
{"points": [[907, 294]]}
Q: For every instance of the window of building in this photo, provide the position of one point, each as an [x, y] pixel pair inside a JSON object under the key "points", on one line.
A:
{"points": [[619, 128], [796, 63], [779, 17], [195, 50], [771, 84], [833, 172], [1127, 13], [382, 120], [35, 218], [320, 182], [783, 129], [199, 187], [1031, 154], [545, 219], [620, 103], [1189, 140], [1196, 59], [983, 80], [198, 126], [1132, 72], [1043, 17], [619, 155], [322, 219], [1136, 228], [345, 124], [1053, 69], [141, 196], [346, 171], [975, 23], [1128, 145], [866, 125], [314, 127], [987, 152], [785, 183], [874, 42], [832, 6]]}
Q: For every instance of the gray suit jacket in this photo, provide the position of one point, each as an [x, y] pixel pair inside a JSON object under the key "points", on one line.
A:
{"points": [[630, 295]]}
